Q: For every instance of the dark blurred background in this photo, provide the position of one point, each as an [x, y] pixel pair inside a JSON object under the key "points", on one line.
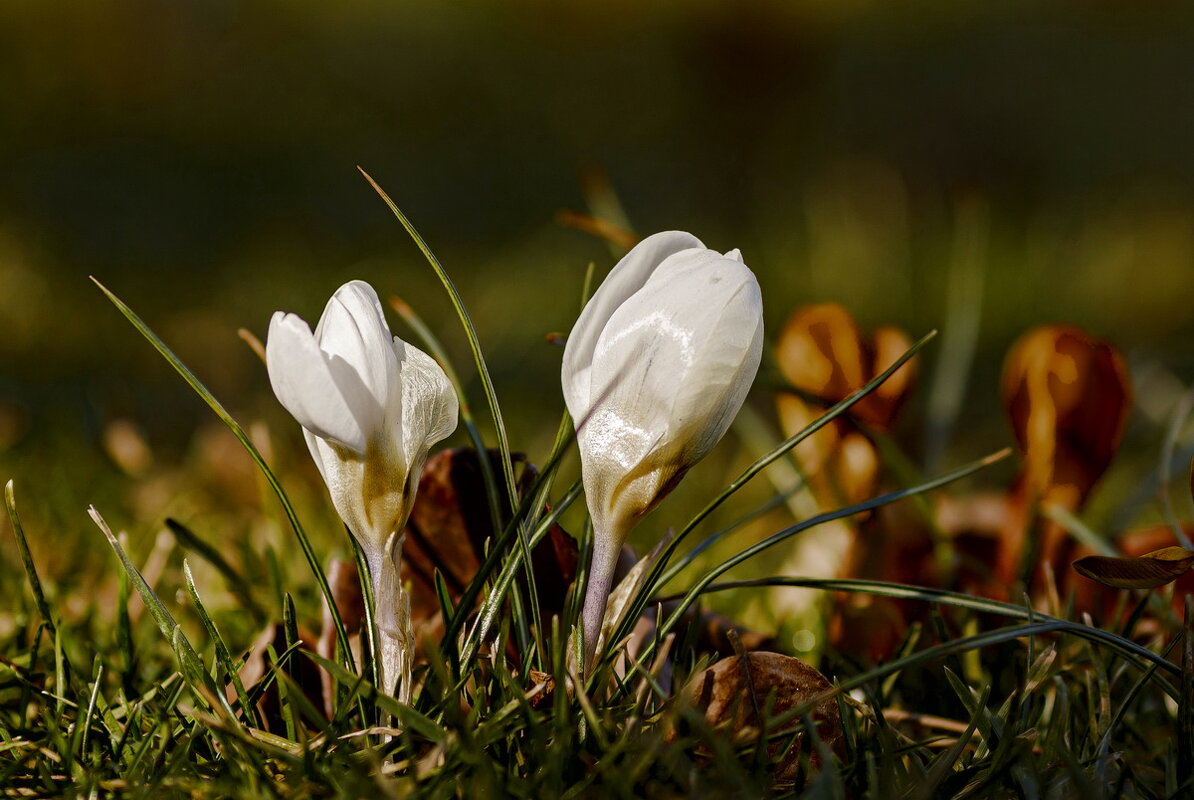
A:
{"points": [[200, 159]]}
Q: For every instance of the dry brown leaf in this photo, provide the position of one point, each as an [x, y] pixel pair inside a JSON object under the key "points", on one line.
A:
{"points": [[1090, 597], [1139, 572], [350, 603], [450, 525], [826, 358], [733, 691], [822, 352], [1067, 395], [543, 685], [299, 668]]}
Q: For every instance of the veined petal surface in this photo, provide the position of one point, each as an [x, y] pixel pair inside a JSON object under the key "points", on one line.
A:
{"points": [[429, 403]]}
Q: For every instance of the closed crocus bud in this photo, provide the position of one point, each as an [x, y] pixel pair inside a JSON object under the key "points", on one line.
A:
{"points": [[655, 369], [371, 407]]}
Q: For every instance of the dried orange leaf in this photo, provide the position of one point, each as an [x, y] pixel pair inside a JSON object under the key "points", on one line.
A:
{"points": [[543, 684], [820, 351], [826, 357], [1067, 395], [1141, 572], [734, 690], [889, 343]]}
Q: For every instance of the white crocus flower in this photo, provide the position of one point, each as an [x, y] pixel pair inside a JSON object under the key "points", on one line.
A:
{"points": [[371, 407], [656, 368]]}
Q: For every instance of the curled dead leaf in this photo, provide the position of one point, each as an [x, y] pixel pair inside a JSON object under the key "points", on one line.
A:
{"points": [[1089, 597], [1137, 572], [825, 357], [1067, 395], [735, 691], [822, 352], [543, 685]]}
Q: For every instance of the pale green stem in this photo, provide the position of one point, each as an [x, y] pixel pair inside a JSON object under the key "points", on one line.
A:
{"points": [[606, 547], [395, 633]]}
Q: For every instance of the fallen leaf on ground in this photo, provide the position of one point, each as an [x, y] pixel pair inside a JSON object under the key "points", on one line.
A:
{"points": [[735, 691]]}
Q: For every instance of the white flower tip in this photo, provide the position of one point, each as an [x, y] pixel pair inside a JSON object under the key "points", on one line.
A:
{"points": [[302, 382], [735, 255]]}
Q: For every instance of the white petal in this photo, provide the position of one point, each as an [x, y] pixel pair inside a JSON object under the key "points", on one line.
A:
{"points": [[676, 359], [304, 384], [354, 336], [429, 405], [706, 402], [626, 278]]}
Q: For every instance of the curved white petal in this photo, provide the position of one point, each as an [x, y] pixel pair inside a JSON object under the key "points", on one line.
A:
{"points": [[429, 403], [354, 336], [678, 342], [626, 278], [670, 371], [723, 298], [303, 383]]}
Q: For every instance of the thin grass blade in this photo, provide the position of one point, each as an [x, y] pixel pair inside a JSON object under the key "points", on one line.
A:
{"points": [[241, 436], [660, 574], [891, 497], [191, 665], [39, 596], [223, 655]]}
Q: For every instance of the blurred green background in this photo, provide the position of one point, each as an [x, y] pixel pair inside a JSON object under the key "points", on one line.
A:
{"points": [[199, 157]]}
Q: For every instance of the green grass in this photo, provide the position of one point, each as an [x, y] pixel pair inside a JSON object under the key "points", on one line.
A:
{"points": [[981, 699]]}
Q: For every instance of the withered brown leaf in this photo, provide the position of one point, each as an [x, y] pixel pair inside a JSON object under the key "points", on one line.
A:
{"points": [[822, 352], [298, 667], [734, 691], [1067, 395], [1139, 572], [450, 526], [825, 357]]}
